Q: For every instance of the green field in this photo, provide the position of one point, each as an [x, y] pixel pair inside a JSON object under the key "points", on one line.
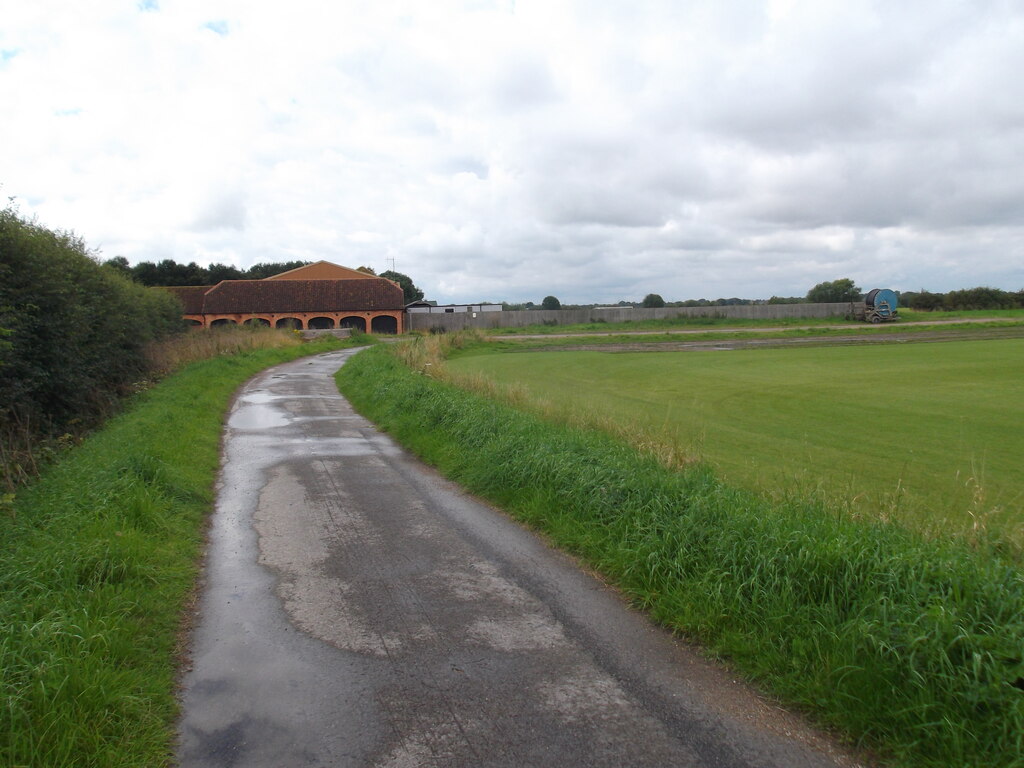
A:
{"points": [[925, 433]]}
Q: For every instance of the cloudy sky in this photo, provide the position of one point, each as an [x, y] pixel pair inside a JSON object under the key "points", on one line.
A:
{"points": [[510, 149]]}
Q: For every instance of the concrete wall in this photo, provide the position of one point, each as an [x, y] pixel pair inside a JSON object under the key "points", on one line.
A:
{"points": [[465, 320], [341, 333]]}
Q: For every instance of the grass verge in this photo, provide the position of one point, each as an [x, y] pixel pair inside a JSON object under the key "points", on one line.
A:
{"points": [[98, 558], [909, 645]]}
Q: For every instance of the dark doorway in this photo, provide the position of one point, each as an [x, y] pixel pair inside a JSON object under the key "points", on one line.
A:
{"points": [[384, 324]]}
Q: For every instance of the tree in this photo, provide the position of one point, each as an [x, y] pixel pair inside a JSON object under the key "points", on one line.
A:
{"points": [[409, 289], [169, 272], [120, 265], [550, 302], [922, 299], [217, 272], [834, 292], [653, 301], [367, 270], [264, 270]]}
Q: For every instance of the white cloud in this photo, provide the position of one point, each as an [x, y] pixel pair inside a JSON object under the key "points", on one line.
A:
{"points": [[501, 150]]}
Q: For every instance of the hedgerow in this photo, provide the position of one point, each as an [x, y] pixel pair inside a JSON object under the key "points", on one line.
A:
{"points": [[73, 332]]}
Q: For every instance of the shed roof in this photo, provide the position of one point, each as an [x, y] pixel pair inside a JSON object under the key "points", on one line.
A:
{"points": [[190, 296], [321, 270], [277, 296]]}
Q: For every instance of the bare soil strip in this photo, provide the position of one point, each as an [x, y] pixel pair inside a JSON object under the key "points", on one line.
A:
{"points": [[910, 337]]}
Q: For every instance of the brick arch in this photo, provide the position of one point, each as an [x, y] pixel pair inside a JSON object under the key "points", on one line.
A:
{"points": [[356, 322], [328, 291], [384, 324]]}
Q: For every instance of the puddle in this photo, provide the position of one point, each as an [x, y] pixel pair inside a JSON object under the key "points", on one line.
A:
{"points": [[259, 397], [257, 416]]}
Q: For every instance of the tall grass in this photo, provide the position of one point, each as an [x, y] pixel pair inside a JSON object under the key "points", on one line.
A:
{"points": [[429, 355], [27, 445], [98, 558], [911, 646], [169, 355]]}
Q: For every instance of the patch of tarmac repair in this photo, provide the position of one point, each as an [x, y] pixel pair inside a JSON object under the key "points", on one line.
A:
{"points": [[520, 633]]}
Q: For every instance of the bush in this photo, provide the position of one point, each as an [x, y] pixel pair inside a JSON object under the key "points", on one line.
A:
{"points": [[979, 298], [923, 300], [836, 291], [74, 332], [653, 301]]}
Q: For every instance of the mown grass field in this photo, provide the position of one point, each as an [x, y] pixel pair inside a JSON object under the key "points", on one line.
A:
{"points": [[925, 433]]}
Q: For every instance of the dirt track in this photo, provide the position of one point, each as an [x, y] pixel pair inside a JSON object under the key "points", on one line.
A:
{"points": [[772, 329], [870, 336]]}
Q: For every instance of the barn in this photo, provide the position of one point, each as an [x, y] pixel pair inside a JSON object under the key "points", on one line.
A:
{"points": [[317, 296]]}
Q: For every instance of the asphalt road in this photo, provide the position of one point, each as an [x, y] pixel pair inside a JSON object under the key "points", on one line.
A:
{"points": [[358, 610]]}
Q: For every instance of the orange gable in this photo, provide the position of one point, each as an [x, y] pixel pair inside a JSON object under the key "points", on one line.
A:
{"points": [[321, 270]]}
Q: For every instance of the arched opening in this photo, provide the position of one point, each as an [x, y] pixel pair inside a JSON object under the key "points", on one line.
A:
{"points": [[321, 323], [356, 323], [222, 321], [384, 324], [257, 322], [193, 323], [290, 324]]}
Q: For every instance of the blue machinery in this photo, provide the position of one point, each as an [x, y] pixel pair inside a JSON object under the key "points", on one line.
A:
{"points": [[879, 306]]}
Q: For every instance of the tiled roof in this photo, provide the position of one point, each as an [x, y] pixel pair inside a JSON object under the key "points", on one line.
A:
{"points": [[190, 296], [321, 270], [277, 296]]}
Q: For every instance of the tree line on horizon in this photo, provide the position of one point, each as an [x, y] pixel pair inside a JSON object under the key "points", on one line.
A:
{"points": [[168, 272], [829, 292]]}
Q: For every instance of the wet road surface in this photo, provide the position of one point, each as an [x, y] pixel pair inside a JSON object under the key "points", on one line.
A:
{"points": [[358, 610]]}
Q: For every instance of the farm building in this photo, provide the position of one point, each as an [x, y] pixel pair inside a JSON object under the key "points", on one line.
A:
{"points": [[429, 307], [317, 296]]}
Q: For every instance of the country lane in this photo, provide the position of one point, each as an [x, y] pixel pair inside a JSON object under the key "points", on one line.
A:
{"points": [[359, 610]]}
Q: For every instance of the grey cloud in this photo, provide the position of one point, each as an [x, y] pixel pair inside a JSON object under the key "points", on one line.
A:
{"points": [[594, 150], [225, 211], [523, 82], [586, 203]]}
